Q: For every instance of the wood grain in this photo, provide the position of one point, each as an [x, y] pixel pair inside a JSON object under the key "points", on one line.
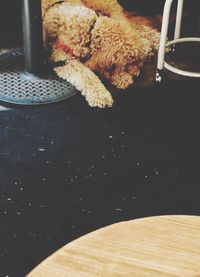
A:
{"points": [[167, 246]]}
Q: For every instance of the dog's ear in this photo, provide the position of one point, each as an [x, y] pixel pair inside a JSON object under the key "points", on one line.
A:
{"points": [[113, 44]]}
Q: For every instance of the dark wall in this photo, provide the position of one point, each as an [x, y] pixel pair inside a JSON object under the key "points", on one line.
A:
{"points": [[10, 22], [152, 7], [143, 7]]}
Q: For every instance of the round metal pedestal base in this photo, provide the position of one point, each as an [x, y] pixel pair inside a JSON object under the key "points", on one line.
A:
{"points": [[17, 87]]}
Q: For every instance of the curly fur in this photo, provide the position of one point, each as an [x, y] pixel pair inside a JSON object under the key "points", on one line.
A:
{"points": [[106, 46]]}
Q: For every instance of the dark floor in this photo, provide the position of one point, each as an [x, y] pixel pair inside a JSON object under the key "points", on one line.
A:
{"points": [[67, 169]]}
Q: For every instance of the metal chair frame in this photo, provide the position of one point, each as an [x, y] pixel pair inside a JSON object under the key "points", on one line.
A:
{"points": [[161, 63]]}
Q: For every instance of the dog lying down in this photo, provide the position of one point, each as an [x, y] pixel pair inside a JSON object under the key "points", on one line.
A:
{"points": [[89, 45]]}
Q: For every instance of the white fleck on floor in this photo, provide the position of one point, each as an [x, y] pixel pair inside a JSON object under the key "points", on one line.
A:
{"points": [[3, 109]]}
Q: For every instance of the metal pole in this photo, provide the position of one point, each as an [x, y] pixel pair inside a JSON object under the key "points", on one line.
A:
{"points": [[163, 40], [33, 36], [164, 32]]}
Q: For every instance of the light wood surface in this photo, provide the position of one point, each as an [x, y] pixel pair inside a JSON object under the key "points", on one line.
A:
{"points": [[167, 246]]}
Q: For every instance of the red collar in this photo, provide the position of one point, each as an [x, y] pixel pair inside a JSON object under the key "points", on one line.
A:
{"points": [[65, 48]]}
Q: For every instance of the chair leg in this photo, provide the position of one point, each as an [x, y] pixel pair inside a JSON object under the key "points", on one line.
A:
{"points": [[178, 19], [163, 40]]}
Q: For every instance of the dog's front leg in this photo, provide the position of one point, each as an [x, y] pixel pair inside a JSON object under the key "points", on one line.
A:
{"points": [[86, 82]]}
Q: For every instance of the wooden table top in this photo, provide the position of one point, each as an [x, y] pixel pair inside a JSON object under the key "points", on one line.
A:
{"points": [[167, 246]]}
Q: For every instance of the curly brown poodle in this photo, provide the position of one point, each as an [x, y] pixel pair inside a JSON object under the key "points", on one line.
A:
{"points": [[89, 43]]}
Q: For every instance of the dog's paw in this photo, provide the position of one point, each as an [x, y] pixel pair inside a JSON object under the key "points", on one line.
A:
{"points": [[134, 69], [122, 81], [100, 100]]}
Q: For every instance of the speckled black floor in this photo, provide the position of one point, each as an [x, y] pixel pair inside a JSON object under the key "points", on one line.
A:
{"points": [[66, 169]]}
